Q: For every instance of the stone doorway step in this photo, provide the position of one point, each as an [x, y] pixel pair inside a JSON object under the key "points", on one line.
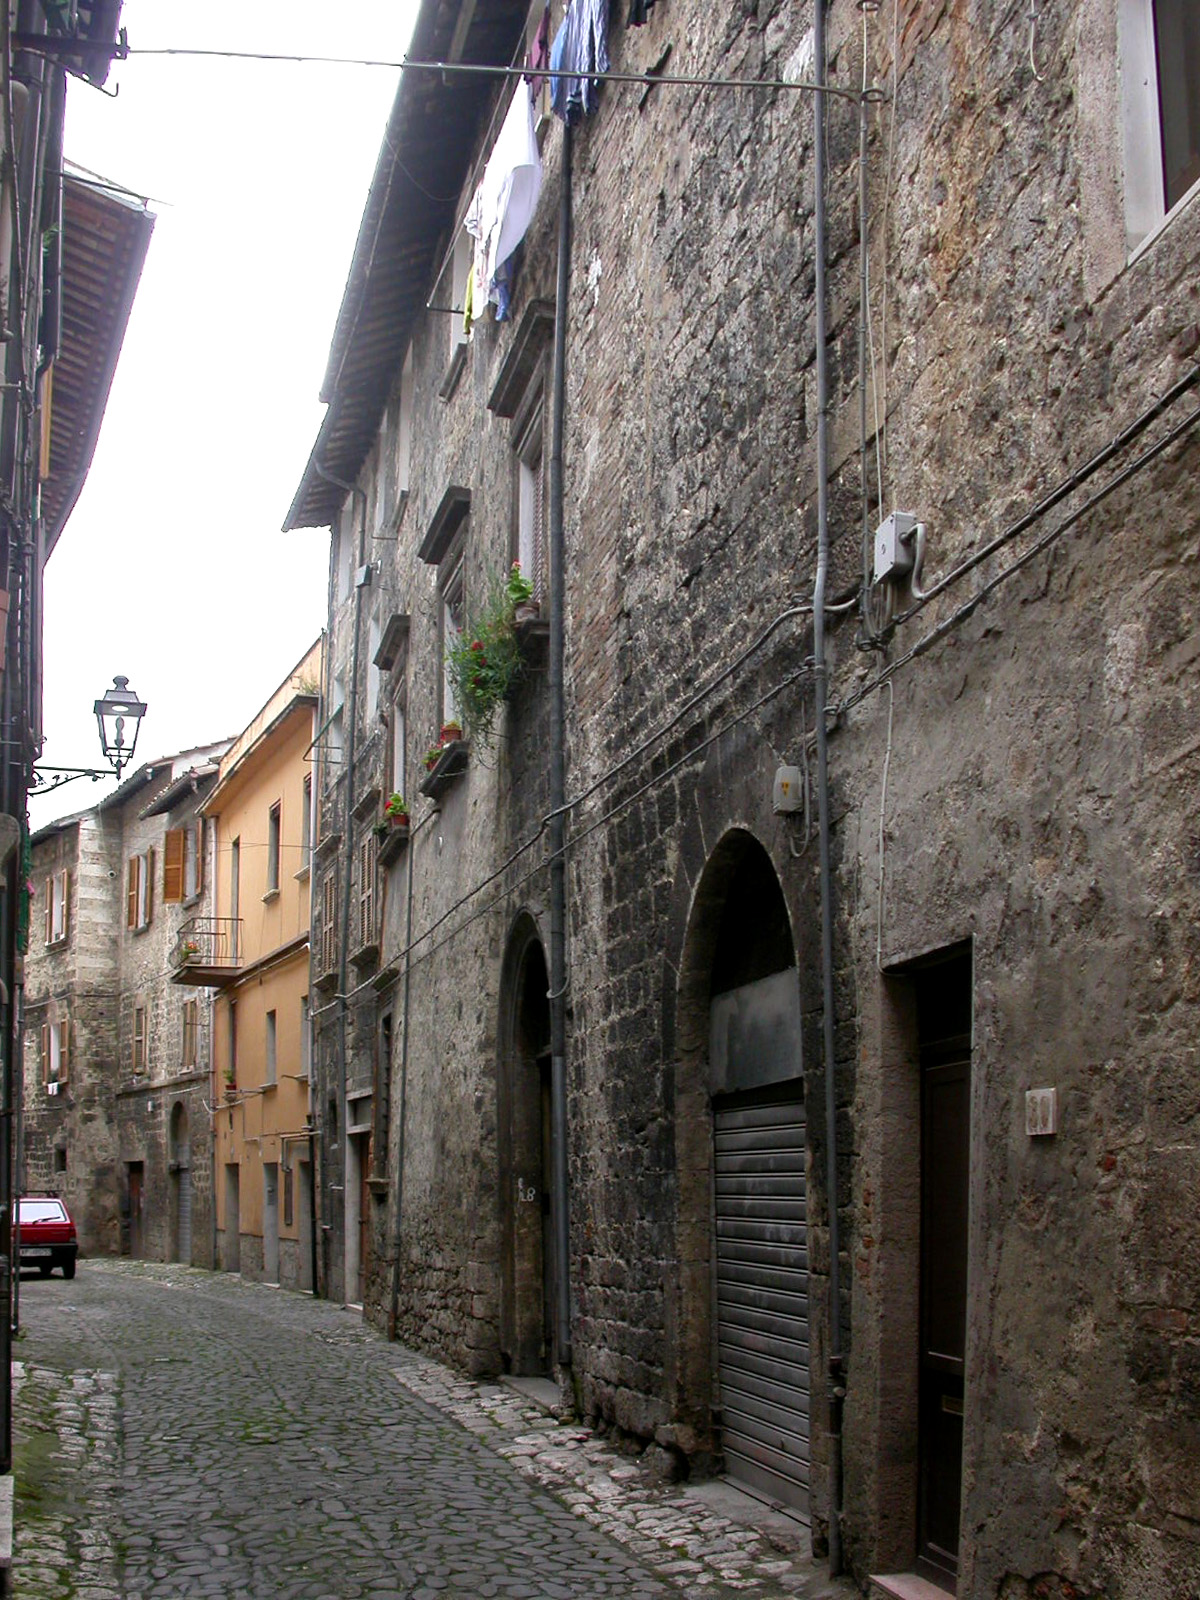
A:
{"points": [[906, 1586]]}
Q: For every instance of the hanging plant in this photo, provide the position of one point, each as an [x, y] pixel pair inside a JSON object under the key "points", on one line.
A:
{"points": [[485, 660]]}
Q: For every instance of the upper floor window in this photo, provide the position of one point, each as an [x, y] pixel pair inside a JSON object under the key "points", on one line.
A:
{"points": [[451, 603], [183, 870], [274, 820], [404, 429], [272, 1049], [139, 890], [1160, 58], [56, 1053], [530, 532], [141, 1039], [191, 1032], [306, 822], [367, 933], [58, 896], [460, 273]]}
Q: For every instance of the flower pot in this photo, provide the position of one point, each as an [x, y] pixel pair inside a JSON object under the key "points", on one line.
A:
{"points": [[450, 732], [398, 819], [526, 611]]}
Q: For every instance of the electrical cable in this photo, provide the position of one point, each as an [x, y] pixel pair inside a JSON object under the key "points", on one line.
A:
{"points": [[1059, 493], [963, 612]]}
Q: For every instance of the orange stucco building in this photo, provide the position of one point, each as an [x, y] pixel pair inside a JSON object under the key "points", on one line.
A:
{"points": [[253, 955]]}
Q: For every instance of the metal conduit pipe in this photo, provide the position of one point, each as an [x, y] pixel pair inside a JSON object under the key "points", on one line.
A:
{"points": [[347, 899], [558, 784], [835, 1364]]}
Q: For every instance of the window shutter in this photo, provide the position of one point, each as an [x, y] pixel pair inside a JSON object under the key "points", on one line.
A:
{"points": [[45, 1052], [64, 1050], [66, 903], [131, 893], [49, 910], [199, 826], [173, 848], [149, 886]]}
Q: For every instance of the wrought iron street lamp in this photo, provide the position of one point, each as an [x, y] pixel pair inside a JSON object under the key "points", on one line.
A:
{"points": [[119, 715]]}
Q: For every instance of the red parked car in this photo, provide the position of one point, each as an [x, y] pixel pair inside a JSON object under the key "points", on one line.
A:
{"points": [[47, 1236]]}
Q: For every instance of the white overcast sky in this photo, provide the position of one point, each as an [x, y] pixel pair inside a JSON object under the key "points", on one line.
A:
{"points": [[172, 569]]}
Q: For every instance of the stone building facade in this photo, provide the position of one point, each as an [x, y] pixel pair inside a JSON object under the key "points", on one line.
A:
{"points": [[1005, 1397], [117, 1070]]}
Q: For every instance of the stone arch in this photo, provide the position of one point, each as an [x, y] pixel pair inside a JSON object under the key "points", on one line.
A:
{"points": [[523, 1153], [737, 932]]}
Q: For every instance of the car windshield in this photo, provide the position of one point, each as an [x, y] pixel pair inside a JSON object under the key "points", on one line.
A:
{"points": [[42, 1211]]}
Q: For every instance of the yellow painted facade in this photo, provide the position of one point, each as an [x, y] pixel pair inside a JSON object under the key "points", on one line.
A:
{"points": [[261, 807]]}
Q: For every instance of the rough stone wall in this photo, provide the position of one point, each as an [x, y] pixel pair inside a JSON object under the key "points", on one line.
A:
{"points": [[1030, 774], [68, 1138]]}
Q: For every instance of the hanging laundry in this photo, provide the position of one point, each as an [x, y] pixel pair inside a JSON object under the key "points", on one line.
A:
{"points": [[504, 203], [580, 48], [639, 13], [539, 57]]}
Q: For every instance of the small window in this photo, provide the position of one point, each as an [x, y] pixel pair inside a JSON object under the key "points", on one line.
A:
{"points": [[1160, 73], [232, 1042], [451, 609], [191, 1029], [58, 894], [272, 1060], [374, 633], [193, 859], [273, 831], [530, 541], [399, 738], [306, 823], [404, 428], [367, 933], [139, 891], [289, 1202], [182, 873], [305, 1040], [56, 1053], [141, 1042], [60, 1158], [329, 923]]}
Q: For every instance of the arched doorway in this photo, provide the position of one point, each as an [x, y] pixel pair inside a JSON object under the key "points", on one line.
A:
{"points": [[740, 1167], [181, 1184], [524, 1153]]}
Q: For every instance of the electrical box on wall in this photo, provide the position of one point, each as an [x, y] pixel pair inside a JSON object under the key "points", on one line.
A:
{"points": [[789, 790], [893, 546], [1041, 1112]]}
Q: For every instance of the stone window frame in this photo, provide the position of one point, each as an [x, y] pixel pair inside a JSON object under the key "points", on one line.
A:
{"points": [[530, 544], [141, 1037], [1145, 198], [58, 901], [274, 847], [139, 891], [190, 1033]]}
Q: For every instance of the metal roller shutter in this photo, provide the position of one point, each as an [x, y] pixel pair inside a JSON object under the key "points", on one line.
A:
{"points": [[762, 1296], [185, 1216]]}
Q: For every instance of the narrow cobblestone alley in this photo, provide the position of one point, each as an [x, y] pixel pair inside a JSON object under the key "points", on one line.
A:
{"points": [[180, 1433]]}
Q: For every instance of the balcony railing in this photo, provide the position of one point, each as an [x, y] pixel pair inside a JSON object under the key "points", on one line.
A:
{"points": [[207, 951]]}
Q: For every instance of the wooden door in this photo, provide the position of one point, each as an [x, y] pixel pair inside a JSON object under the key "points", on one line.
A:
{"points": [[136, 1204], [364, 1214]]}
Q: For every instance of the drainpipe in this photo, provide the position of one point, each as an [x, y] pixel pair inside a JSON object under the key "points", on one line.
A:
{"points": [[558, 783], [836, 1389], [347, 900]]}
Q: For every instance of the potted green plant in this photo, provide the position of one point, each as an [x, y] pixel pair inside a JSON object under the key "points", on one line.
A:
{"points": [[451, 731], [520, 595], [188, 951], [431, 757], [395, 811], [485, 660]]}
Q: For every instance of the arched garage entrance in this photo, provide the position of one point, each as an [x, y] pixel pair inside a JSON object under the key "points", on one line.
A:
{"points": [[740, 1163]]}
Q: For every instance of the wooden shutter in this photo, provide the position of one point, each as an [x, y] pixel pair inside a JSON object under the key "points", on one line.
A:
{"points": [[49, 910], [199, 829], [149, 886], [174, 843], [366, 890], [65, 882], [131, 892], [45, 1052], [64, 1050]]}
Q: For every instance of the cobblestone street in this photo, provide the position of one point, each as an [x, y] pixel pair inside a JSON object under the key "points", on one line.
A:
{"points": [[180, 1433]]}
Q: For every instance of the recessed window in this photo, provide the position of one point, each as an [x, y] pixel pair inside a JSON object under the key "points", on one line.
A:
{"points": [[1160, 74], [56, 1053], [404, 428], [530, 541], [183, 872], [366, 890], [306, 823], [451, 624], [399, 737], [139, 890], [459, 276], [272, 1059], [191, 1030], [274, 817], [58, 893], [305, 1040], [141, 1039]]}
